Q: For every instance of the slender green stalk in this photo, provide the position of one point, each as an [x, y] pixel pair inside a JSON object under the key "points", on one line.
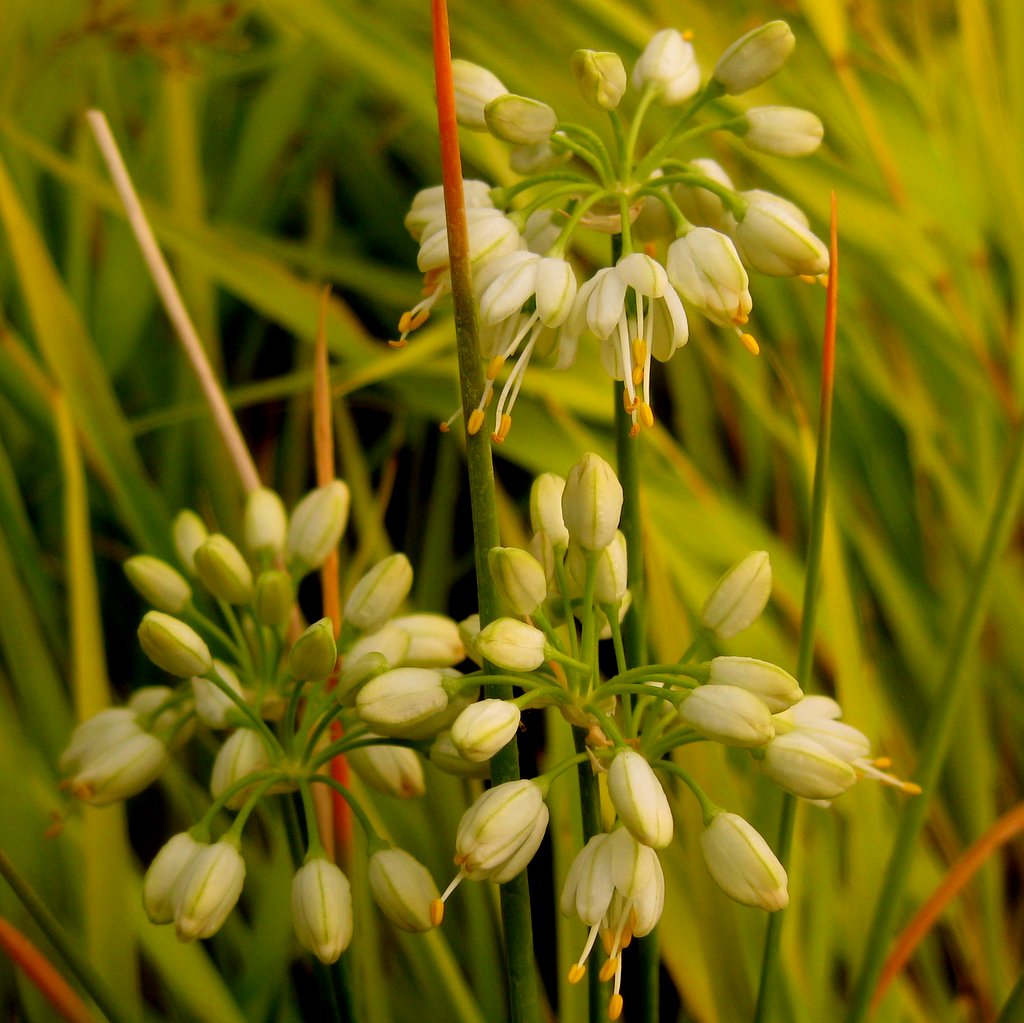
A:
{"points": [[805, 654], [941, 726], [515, 895], [77, 963]]}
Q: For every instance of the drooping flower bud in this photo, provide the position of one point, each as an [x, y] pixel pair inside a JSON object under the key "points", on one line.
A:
{"points": [[742, 863], [546, 509], [273, 598], [189, 532], [392, 643], [160, 885], [209, 888], [706, 270], [314, 653], [592, 502], [404, 703], [95, 735], [213, 706], [110, 771], [403, 889], [264, 524], [434, 640], [499, 834], [639, 799], [392, 770], [519, 119], [223, 570], [428, 203], [520, 580], [322, 909], [158, 583], [316, 525], [475, 87], [243, 753], [512, 644], [776, 688], [174, 646], [379, 594], [739, 596], [728, 714], [773, 237], [669, 64], [782, 131], [484, 728], [754, 58], [600, 76], [805, 768]]}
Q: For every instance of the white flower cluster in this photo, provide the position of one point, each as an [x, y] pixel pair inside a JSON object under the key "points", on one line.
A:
{"points": [[687, 236]]}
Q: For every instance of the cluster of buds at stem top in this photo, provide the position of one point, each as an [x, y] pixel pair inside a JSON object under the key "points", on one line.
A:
{"points": [[688, 235]]}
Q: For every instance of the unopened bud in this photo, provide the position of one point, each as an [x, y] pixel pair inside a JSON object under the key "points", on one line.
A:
{"points": [[739, 596], [775, 687], [805, 768], [742, 863], [600, 76], [316, 525], [639, 799], [782, 131], [189, 533], [209, 889], [264, 524], [404, 703], [484, 728], [163, 878], [546, 508], [243, 753], [158, 583], [728, 714], [173, 646], [392, 770], [519, 578], [379, 594], [519, 119], [445, 757], [475, 87], [512, 644], [403, 888], [213, 706], [314, 654], [223, 570], [114, 771], [754, 58], [669, 64], [433, 640], [273, 598], [322, 909], [592, 503]]}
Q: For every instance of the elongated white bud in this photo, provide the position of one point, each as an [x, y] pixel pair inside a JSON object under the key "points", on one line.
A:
{"points": [[742, 863], [379, 594], [754, 58], [739, 596], [729, 715], [592, 502], [322, 909], [484, 728], [316, 525], [639, 799], [403, 889], [174, 646], [158, 583], [264, 524], [163, 878], [209, 889]]}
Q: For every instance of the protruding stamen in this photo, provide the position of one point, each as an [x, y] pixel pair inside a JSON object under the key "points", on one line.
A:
{"points": [[808, 278], [476, 420], [646, 414], [688, 34], [494, 366], [576, 972], [399, 343], [615, 1006], [750, 343], [447, 424], [638, 375], [911, 788], [882, 763], [504, 426], [456, 881], [634, 430], [609, 968], [436, 911]]}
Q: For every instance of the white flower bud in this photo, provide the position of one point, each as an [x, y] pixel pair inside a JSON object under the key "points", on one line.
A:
{"points": [[600, 76], [162, 880], [475, 87], [403, 888], [589, 884], [706, 270], [491, 235], [214, 707], [775, 687], [273, 598], [158, 583], [118, 766], [729, 715], [782, 131], [392, 643], [840, 739], [469, 629], [243, 753], [322, 909], [433, 640], [519, 119], [428, 204], [391, 770], [223, 570], [773, 237], [484, 728], [739, 596], [264, 524], [314, 654], [208, 890], [536, 159], [546, 509], [592, 502], [499, 834], [445, 757], [742, 863], [805, 768], [754, 58], [519, 579], [512, 644], [189, 532], [609, 574], [379, 594], [669, 64], [639, 799], [316, 525], [699, 205], [357, 673], [404, 703], [173, 646], [95, 735]]}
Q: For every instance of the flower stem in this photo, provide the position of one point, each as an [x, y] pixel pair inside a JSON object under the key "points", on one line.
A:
{"points": [[805, 655], [515, 895]]}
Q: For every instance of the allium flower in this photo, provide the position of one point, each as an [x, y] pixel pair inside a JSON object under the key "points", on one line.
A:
{"points": [[512, 644], [115, 765], [729, 715], [174, 646], [639, 799], [322, 909], [600, 76], [223, 570], [773, 237], [754, 58], [592, 503], [213, 706], [163, 878], [519, 579], [264, 524], [243, 753], [520, 119], [739, 596], [393, 770], [706, 270], [669, 65], [635, 312], [208, 890], [782, 131], [428, 204], [484, 728], [699, 205], [189, 532], [379, 593], [316, 525], [159, 583], [475, 87], [403, 889], [742, 863]]}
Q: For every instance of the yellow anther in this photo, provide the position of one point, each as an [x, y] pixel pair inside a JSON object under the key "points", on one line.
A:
{"points": [[494, 366], [419, 319], [404, 322], [609, 968], [883, 762], [687, 34], [436, 912], [400, 343], [808, 278], [646, 415], [443, 427], [476, 420], [607, 940], [639, 348], [615, 1006], [634, 430], [638, 375], [750, 343], [504, 426], [576, 972], [911, 788]]}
